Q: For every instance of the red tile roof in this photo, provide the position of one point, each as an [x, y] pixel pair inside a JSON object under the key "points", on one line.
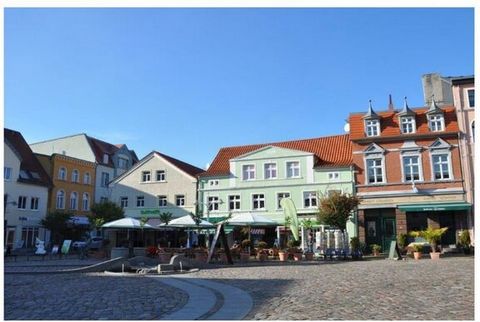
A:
{"points": [[100, 148], [185, 167], [28, 162], [331, 151], [389, 123]]}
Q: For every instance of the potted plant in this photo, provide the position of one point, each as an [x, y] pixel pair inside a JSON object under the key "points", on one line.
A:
{"points": [[433, 236], [355, 248], [375, 249], [283, 255], [245, 252], [417, 251], [402, 241], [308, 255], [464, 241], [261, 253], [294, 250]]}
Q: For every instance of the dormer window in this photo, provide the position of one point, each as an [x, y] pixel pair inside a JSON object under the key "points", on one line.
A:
{"points": [[407, 124], [372, 127], [105, 158], [436, 122]]}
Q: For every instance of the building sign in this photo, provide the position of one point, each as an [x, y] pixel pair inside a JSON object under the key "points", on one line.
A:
{"points": [[150, 212], [393, 202]]}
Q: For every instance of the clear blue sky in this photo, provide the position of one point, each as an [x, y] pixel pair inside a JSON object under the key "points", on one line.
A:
{"points": [[186, 82]]}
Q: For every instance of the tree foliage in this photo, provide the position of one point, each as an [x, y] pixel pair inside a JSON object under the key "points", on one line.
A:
{"points": [[108, 211], [432, 235], [336, 208], [57, 223], [166, 217]]}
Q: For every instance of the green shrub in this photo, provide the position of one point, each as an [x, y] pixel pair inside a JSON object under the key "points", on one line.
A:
{"points": [[417, 247], [402, 240], [262, 245], [355, 243], [464, 239], [375, 248]]}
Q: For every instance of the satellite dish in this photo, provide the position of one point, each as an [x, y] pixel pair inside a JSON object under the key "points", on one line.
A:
{"points": [[346, 127]]}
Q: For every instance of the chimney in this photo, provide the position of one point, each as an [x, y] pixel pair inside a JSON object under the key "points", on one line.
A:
{"points": [[390, 103]]}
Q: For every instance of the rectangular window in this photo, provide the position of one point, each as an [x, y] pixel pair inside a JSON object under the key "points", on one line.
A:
{"points": [[270, 170], [411, 168], [280, 196], [440, 167], [213, 203], [249, 172], [124, 202], [435, 123], [258, 201], [162, 201], [408, 124], [471, 98], [22, 202], [309, 199], [122, 163], [180, 200], [34, 203], [374, 171], [234, 202], [7, 173], [140, 201], [160, 175], [332, 176], [213, 183], [293, 169], [105, 179], [145, 176], [372, 127]]}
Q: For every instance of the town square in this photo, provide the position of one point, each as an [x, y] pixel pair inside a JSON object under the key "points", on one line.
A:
{"points": [[239, 163]]}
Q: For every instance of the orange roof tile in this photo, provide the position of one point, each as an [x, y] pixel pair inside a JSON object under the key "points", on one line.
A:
{"points": [[331, 151], [389, 123]]}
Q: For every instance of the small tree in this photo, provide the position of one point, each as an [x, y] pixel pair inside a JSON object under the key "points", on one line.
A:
{"points": [[108, 211], [166, 217], [336, 208], [57, 223]]}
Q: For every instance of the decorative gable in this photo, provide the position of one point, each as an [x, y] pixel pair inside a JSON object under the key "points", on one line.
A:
{"points": [[374, 148], [270, 151], [440, 144]]}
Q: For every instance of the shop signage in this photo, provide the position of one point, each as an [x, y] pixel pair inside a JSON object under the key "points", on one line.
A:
{"points": [[150, 212]]}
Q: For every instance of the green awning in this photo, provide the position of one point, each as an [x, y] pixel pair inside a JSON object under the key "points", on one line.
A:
{"points": [[228, 229], [435, 206]]}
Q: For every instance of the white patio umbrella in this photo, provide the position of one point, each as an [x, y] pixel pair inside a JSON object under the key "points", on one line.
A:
{"points": [[187, 222], [127, 223]]}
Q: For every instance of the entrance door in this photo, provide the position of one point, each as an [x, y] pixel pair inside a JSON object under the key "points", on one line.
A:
{"points": [[447, 219], [389, 233]]}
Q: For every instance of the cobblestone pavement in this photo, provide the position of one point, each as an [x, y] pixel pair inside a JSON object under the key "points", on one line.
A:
{"points": [[356, 290], [93, 296]]}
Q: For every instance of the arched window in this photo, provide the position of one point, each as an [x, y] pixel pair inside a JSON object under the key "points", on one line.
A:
{"points": [[60, 199], [75, 175], [62, 173], [73, 200], [86, 178], [86, 202]]}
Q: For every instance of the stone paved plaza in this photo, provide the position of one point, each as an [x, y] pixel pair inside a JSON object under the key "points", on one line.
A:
{"points": [[353, 290]]}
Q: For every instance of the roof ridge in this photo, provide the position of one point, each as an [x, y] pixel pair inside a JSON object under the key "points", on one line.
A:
{"points": [[62, 137]]}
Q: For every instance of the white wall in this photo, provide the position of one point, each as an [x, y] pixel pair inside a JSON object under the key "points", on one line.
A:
{"points": [[75, 146], [99, 190]]}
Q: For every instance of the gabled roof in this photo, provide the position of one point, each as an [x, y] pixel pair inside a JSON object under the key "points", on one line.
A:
{"points": [[33, 172], [330, 151], [100, 148], [390, 127]]}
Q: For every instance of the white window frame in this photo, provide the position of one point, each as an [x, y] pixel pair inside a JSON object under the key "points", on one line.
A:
{"points": [[213, 203], [140, 202], [34, 201], [420, 167], [333, 176], [146, 176], [86, 178], [382, 167], [235, 200], [75, 176], [105, 158], [123, 202], [22, 202], [85, 201], [259, 199], [434, 120], [162, 201], [248, 172], [267, 169], [7, 173], [310, 196], [449, 165], [62, 173], [162, 174], [288, 167], [372, 127], [278, 197], [467, 96], [74, 200], [60, 199], [408, 121], [180, 200]]}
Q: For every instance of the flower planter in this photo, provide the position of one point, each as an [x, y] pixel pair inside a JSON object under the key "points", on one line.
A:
{"points": [[435, 255], [282, 256], [244, 257], [309, 256], [417, 255], [262, 257], [297, 256], [376, 253]]}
